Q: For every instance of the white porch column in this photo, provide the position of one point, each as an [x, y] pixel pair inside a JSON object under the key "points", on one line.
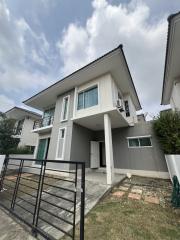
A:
{"points": [[109, 149]]}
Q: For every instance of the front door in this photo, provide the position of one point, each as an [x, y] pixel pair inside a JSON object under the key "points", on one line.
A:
{"points": [[95, 156], [42, 149]]}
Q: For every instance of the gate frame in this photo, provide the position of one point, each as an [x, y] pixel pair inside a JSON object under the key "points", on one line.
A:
{"points": [[37, 206]]}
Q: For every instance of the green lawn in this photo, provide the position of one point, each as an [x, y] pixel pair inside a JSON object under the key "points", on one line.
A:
{"points": [[125, 219], [131, 220]]}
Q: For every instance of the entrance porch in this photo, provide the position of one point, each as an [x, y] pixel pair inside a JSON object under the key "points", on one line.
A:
{"points": [[99, 176], [100, 150]]}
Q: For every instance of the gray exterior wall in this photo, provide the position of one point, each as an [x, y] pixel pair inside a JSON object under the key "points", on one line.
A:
{"points": [[147, 158], [57, 124], [80, 145]]}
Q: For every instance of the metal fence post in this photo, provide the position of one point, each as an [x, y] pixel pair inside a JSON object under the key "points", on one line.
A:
{"points": [[75, 197], [82, 202], [39, 194], [5, 164], [17, 185]]}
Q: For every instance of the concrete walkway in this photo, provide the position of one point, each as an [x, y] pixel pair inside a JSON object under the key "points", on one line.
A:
{"points": [[94, 192], [11, 230]]}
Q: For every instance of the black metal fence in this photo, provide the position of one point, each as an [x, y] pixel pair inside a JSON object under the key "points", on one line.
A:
{"points": [[49, 196]]}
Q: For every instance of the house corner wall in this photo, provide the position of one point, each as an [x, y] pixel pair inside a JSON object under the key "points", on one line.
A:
{"points": [[27, 137]]}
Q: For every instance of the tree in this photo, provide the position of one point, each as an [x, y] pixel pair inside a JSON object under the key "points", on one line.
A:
{"points": [[167, 128], [7, 141]]}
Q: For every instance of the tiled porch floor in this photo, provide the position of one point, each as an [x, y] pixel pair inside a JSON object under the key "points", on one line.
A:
{"points": [[100, 177]]}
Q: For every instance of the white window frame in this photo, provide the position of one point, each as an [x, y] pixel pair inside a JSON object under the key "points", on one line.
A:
{"points": [[63, 107], [63, 149], [138, 137], [84, 90]]}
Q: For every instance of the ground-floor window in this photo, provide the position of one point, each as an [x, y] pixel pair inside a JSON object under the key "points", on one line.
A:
{"points": [[30, 149], [60, 144], [137, 142]]}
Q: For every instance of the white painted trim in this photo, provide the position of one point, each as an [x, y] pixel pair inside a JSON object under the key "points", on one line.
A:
{"points": [[142, 173], [63, 105], [138, 137], [108, 149], [64, 143], [41, 129], [144, 136], [36, 149], [75, 102], [2, 158]]}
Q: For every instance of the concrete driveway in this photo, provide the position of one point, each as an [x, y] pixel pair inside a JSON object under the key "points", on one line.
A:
{"points": [[94, 192]]}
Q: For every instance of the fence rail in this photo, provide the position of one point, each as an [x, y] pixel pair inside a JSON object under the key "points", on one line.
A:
{"points": [[49, 196]]}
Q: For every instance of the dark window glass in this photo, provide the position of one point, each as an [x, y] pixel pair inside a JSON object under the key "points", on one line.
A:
{"points": [[126, 105], [145, 142], [80, 101], [65, 108], [62, 133], [134, 142]]}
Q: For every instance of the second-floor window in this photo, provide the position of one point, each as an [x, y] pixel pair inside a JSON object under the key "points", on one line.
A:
{"points": [[127, 111], [88, 98], [48, 117], [65, 107], [18, 127]]}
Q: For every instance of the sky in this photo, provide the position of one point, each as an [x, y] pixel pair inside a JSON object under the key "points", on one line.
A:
{"points": [[42, 41]]}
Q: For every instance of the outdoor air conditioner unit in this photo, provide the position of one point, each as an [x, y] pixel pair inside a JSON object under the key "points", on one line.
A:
{"points": [[119, 105]]}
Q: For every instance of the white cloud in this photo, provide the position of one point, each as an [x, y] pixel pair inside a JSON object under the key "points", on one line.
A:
{"points": [[27, 61], [21, 51], [5, 103], [110, 25]]}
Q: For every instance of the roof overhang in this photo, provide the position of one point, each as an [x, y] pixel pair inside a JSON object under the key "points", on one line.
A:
{"points": [[172, 61], [114, 62], [20, 113]]}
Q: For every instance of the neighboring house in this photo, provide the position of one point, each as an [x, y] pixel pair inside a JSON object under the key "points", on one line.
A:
{"points": [[171, 84], [24, 125], [90, 116]]}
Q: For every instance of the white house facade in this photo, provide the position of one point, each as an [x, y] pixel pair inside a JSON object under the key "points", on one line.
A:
{"points": [[91, 116], [24, 125], [171, 84]]}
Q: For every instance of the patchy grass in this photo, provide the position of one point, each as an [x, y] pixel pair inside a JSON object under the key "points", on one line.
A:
{"points": [[122, 218]]}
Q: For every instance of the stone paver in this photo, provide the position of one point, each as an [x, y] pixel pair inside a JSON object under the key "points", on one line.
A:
{"points": [[134, 196], [11, 230], [150, 199], [137, 190], [118, 194], [124, 188]]}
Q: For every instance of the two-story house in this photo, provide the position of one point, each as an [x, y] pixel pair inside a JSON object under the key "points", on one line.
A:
{"points": [[25, 122], [171, 83], [90, 116]]}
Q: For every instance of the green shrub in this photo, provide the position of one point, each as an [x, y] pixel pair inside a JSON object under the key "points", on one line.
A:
{"points": [[21, 150], [7, 141], [167, 128]]}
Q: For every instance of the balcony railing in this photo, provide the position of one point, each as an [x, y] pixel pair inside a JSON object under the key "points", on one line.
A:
{"points": [[44, 122]]}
